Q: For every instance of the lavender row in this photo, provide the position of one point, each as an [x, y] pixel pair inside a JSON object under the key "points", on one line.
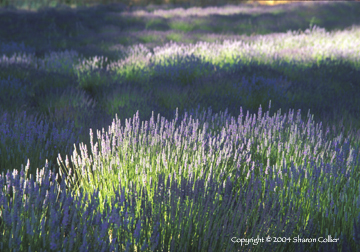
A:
{"points": [[310, 166]]}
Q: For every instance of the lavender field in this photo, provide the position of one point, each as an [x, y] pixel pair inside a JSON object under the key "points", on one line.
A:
{"points": [[214, 126]]}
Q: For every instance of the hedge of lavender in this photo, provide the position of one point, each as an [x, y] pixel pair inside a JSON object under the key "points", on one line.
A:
{"points": [[186, 159], [184, 199]]}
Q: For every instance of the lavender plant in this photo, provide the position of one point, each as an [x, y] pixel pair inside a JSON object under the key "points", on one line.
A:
{"points": [[13, 91], [28, 133], [115, 163]]}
